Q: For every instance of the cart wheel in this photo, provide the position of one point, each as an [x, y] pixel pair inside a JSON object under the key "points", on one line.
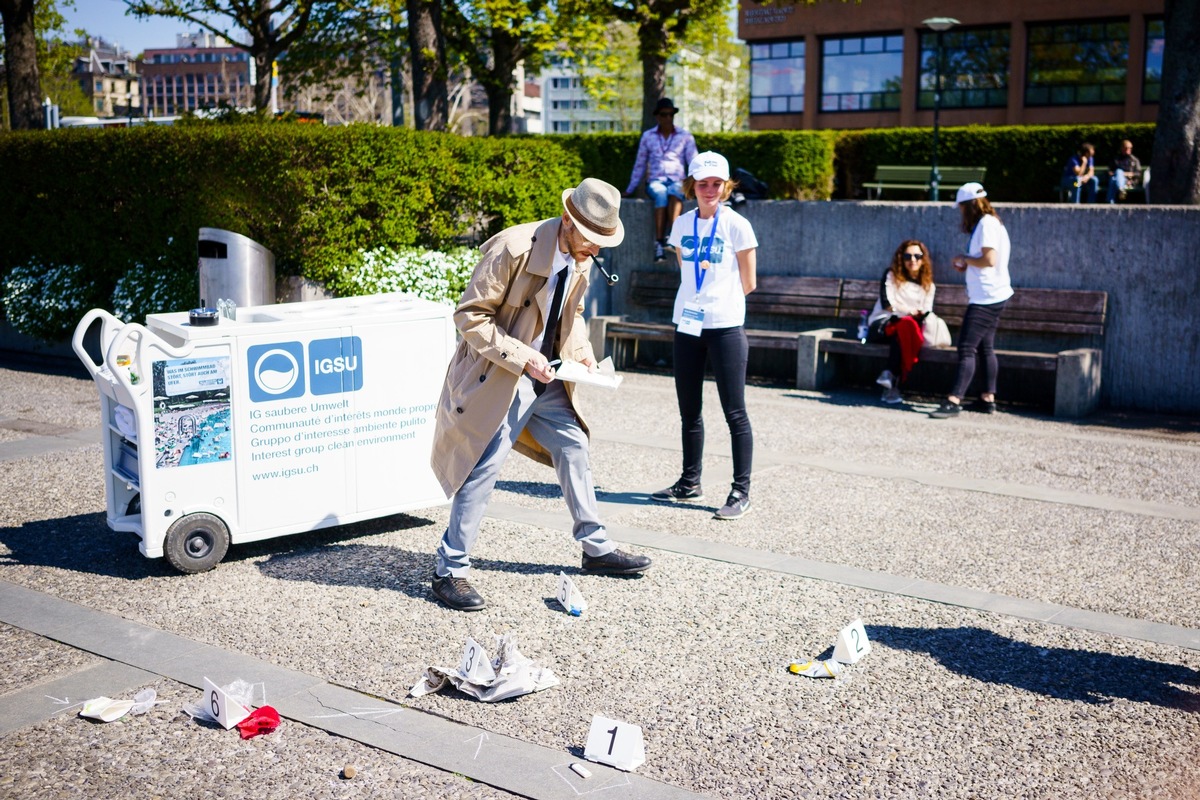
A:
{"points": [[196, 543]]}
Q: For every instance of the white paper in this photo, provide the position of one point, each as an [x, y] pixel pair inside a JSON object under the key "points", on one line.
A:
{"points": [[575, 372], [515, 675]]}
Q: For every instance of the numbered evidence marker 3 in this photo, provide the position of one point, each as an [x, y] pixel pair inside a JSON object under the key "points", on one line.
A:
{"points": [[227, 711], [852, 643], [569, 596], [475, 665], [617, 744]]}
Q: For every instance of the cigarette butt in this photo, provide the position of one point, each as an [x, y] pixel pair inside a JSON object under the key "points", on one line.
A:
{"points": [[581, 770]]}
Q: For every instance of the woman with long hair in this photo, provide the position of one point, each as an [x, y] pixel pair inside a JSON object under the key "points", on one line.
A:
{"points": [[988, 289], [716, 250], [905, 299]]}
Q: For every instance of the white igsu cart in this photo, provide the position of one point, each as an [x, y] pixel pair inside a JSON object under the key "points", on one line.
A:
{"points": [[290, 418]]}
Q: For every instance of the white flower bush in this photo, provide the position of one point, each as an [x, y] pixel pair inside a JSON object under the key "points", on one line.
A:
{"points": [[430, 274], [47, 301], [153, 289]]}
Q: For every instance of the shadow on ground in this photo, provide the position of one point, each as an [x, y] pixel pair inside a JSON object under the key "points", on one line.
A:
{"points": [[1081, 675]]}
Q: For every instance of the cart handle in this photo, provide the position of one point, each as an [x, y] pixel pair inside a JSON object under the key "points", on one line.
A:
{"points": [[144, 337], [108, 329]]}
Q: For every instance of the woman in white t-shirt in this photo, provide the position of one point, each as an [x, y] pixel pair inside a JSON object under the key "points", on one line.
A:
{"points": [[715, 247], [988, 289]]}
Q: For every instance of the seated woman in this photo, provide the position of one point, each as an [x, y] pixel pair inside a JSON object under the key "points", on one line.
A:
{"points": [[905, 298]]}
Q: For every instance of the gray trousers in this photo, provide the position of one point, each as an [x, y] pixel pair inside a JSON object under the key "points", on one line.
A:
{"points": [[551, 420]]}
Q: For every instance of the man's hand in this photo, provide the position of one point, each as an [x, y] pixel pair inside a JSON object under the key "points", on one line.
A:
{"points": [[590, 363], [539, 368]]}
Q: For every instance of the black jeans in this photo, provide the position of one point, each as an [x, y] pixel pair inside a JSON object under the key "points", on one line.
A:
{"points": [[729, 350], [978, 334]]}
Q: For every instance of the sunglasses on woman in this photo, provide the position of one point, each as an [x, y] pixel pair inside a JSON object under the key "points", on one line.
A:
{"points": [[912, 256]]}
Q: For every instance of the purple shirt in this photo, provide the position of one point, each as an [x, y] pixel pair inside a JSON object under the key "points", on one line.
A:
{"points": [[662, 157]]}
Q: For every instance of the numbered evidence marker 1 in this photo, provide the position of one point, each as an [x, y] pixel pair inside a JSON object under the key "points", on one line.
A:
{"points": [[475, 665], [569, 596], [852, 643], [227, 711], [617, 744]]}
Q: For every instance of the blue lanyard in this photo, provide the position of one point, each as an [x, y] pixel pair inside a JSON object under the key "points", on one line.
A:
{"points": [[701, 273]]}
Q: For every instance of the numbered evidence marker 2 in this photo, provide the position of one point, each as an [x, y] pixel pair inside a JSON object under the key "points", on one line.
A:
{"points": [[617, 744], [475, 665], [852, 643], [569, 596], [227, 711]]}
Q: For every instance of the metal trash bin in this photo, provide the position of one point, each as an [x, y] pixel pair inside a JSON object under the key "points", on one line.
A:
{"points": [[236, 268]]}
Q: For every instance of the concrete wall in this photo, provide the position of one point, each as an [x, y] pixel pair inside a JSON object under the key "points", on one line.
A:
{"points": [[1146, 257]]}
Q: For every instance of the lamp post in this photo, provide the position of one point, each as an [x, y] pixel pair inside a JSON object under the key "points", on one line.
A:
{"points": [[941, 25]]}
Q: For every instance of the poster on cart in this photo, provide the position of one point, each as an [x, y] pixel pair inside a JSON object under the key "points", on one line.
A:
{"points": [[191, 411]]}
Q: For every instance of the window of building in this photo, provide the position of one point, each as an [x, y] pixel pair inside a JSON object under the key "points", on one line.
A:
{"points": [[1152, 74], [1077, 63], [861, 73], [562, 126], [974, 68], [777, 78]]}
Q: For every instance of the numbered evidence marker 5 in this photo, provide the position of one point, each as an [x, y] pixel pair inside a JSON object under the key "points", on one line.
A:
{"points": [[227, 711], [617, 744], [475, 665], [852, 643], [569, 596]]}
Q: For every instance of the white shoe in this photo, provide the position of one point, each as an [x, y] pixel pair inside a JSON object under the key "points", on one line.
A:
{"points": [[886, 379], [893, 396]]}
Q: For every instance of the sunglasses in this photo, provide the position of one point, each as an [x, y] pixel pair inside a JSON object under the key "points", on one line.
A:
{"points": [[665, 114], [912, 256]]}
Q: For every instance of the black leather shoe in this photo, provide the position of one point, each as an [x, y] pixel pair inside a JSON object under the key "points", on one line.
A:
{"points": [[458, 594], [615, 563]]}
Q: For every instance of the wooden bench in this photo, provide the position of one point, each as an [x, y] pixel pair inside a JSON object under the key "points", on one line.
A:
{"points": [[1060, 313], [917, 179], [780, 296], [1102, 193]]}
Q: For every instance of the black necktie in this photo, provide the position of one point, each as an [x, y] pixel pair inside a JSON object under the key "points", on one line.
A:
{"points": [[550, 332]]}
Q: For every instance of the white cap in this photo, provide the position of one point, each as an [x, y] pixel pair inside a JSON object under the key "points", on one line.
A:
{"points": [[708, 165], [969, 191]]}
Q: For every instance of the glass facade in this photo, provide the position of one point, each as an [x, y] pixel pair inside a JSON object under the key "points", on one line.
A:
{"points": [[861, 73], [777, 78], [974, 68], [1152, 74], [1077, 63]]}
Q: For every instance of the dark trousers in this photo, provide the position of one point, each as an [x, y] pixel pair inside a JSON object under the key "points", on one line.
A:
{"points": [[977, 336], [729, 351]]}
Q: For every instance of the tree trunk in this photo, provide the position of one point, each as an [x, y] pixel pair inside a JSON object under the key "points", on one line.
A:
{"points": [[652, 45], [1175, 167], [20, 58], [428, 51], [499, 108], [262, 81]]}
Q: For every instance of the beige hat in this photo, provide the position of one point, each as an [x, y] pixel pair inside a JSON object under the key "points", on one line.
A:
{"points": [[595, 207]]}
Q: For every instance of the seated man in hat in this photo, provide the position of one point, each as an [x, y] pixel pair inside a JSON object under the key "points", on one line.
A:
{"points": [[664, 153], [521, 314]]}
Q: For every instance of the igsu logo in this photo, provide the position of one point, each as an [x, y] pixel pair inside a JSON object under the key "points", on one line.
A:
{"points": [[335, 365], [277, 370]]}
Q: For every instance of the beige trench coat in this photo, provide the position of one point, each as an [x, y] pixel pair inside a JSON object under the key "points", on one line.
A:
{"points": [[499, 314]]}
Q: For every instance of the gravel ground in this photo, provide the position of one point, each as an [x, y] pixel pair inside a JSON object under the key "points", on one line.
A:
{"points": [[950, 703]]}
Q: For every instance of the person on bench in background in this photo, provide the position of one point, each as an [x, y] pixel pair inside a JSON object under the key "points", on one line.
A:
{"points": [[663, 155], [988, 289], [1126, 173], [905, 298], [1079, 176], [716, 250]]}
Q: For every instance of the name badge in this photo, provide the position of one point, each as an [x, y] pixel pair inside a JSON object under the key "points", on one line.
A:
{"points": [[691, 321]]}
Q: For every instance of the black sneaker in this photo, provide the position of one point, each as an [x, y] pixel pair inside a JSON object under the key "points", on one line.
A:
{"points": [[618, 562], [458, 594], [946, 410], [679, 493], [983, 407], [659, 255], [736, 507]]}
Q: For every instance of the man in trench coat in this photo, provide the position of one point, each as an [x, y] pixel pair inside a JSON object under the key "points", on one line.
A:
{"points": [[500, 393]]}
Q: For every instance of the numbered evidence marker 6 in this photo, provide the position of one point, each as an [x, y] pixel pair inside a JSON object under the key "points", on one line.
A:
{"points": [[475, 665], [852, 643], [227, 711], [617, 744], [569, 596]]}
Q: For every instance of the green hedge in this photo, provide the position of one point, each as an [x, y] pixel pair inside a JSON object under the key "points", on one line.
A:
{"points": [[1024, 163], [794, 164]]}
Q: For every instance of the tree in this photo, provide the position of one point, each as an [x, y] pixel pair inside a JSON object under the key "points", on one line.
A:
{"points": [[255, 21], [20, 65], [427, 49], [1175, 165]]}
